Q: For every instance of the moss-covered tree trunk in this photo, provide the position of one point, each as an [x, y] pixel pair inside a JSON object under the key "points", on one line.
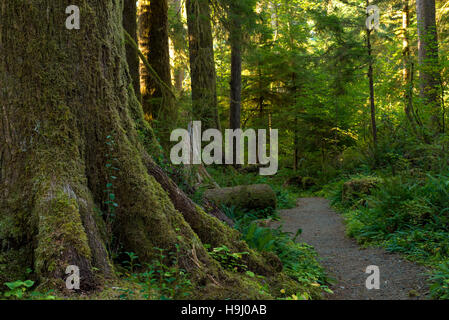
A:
{"points": [[158, 103], [69, 123], [202, 65], [130, 25], [178, 35], [429, 72]]}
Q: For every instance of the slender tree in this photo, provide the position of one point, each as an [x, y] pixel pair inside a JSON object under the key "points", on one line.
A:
{"points": [[236, 67], [371, 83], [408, 67]]}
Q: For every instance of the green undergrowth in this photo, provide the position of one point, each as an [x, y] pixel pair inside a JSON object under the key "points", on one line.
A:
{"points": [[404, 214], [299, 260]]}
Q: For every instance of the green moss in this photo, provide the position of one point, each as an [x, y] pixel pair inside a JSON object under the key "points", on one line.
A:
{"points": [[60, 229]]}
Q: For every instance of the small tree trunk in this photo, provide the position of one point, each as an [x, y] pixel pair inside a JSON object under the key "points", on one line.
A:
{"points": [[371, 86]]}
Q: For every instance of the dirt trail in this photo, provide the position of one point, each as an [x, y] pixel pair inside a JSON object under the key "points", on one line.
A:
{"points": [[346, 261]]}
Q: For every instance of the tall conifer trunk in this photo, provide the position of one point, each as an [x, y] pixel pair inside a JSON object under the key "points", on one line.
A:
{"points": [[428, 61], [202, 65], [158, 103]]}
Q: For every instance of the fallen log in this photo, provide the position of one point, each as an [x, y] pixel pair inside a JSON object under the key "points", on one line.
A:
{"points": [[258, 196]]}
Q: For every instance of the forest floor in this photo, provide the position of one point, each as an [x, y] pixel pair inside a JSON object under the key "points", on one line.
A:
{"points": [[346, 261]]}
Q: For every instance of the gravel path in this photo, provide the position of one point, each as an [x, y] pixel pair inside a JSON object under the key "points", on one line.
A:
{"points": [[346, 261]]}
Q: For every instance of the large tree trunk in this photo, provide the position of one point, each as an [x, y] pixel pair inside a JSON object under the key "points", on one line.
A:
{"points": [[202, 65], [428, 61], [68, 117], [130, 25], [158, 102]]}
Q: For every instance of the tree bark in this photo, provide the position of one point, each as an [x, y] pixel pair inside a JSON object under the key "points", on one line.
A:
{"points": [[202, 64], [130, 25], [178, 37], [68, 117], [235, 38], [158, 104], [236, 68], [428, 61]]}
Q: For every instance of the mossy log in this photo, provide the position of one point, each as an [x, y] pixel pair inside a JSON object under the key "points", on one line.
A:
{"points": [[257, 196], [69, 114]]}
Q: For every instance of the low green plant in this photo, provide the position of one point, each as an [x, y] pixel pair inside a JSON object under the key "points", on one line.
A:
{"points": [[440, 281], [163, 279], [17, 288], [132, 262], [259, 238], [229, 260]]}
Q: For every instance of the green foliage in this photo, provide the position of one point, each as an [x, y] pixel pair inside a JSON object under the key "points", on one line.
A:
{"points": [[163, 279], [229, 260], [18, 288], [111, 179], [261, 239], [132, 262], [440, 282]]}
